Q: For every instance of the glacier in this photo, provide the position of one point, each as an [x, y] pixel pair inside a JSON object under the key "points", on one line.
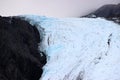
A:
{"points": [[79, 48]]}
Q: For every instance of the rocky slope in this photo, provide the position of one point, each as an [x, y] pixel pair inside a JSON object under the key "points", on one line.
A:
{"points": [[109, 12]]}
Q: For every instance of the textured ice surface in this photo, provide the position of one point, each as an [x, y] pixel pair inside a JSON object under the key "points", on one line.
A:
{"points": [[80, 48]]}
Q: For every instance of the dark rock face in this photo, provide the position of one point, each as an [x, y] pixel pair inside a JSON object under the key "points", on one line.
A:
{"points": [[110, 12], [20, 58]]}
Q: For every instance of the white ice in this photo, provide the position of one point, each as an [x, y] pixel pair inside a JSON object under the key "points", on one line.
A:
{"points": [[80, 48]]}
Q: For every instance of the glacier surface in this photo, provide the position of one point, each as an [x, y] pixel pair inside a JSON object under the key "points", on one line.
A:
{"points": [[80, 48]]}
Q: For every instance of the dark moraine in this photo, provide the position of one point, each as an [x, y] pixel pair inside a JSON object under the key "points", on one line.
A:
{"points": [[20, 58]]}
